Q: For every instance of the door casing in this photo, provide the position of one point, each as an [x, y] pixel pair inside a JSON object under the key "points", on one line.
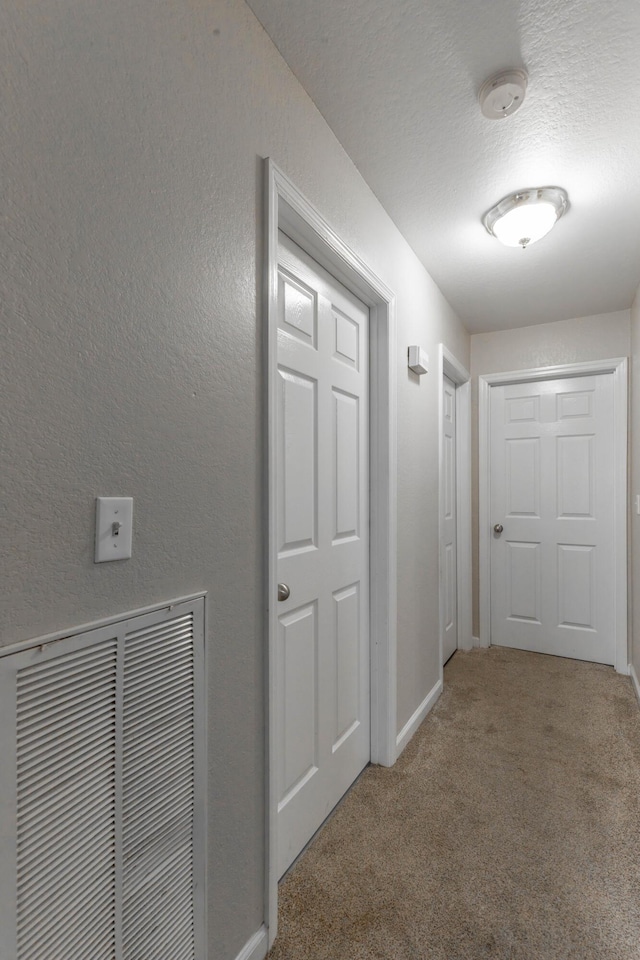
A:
{"points": [[450, 366], [617, 368], [288, 210]]}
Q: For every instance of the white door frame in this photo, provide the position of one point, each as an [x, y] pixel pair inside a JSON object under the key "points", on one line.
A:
{"points": [[450, 366], [288, 210], [617, 367]]}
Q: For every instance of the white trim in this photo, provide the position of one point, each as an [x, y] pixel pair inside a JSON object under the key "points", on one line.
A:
{"points": [[288, 210], [618, 368], [634, 681], [475, 642], [255, 948], [416, 718], [449, 366]]}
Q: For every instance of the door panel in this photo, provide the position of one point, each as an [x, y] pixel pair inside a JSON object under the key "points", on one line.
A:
{"points": [[323, 521], [552, 488], [298, 682], [297, 465]]}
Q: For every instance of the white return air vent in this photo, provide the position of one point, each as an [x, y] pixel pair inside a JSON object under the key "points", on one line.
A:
{"points": [[102, 777]]}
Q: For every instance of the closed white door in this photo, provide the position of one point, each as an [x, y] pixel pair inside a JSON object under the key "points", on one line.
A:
{"points": [[448, 527], [552, 493], [322, 696]]}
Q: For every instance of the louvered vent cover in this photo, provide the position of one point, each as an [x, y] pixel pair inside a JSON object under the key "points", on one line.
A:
{"points": [[158, 792], [102, 793], [66, 805]]}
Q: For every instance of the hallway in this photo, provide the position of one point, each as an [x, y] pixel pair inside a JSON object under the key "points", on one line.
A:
{"points": [[508, 829]]}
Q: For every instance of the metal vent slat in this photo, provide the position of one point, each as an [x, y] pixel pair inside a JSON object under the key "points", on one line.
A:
{"points": [[33, 753], [79, 862], [89, 784], [158, 793], [64, 664], [82, 908], [145, 933], [140, 746], [157, 681], [172, 877], [81, 761], [58, 687], [147, 635], [55, 721], [67, 828], [65, 880], [161, 805], [153, 780], [179, 647], [141, 863], [98, 941]]}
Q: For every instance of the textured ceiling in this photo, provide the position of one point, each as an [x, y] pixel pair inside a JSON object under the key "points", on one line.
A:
{"points": [[397, 80]]}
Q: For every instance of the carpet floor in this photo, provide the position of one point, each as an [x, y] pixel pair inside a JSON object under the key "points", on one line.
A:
{"points": [[509, 828]]}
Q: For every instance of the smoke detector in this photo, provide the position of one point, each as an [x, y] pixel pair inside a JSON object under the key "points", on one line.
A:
{"points": [[502, 94]]}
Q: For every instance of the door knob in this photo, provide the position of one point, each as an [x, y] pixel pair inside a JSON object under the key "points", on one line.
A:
{"points": [[283, 591], [498, 528]]}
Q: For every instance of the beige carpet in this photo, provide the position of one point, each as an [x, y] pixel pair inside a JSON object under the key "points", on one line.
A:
{"points": [[509, 828]]}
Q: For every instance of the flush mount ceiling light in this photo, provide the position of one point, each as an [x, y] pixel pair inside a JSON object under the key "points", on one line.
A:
{"points": [[525, 217]]}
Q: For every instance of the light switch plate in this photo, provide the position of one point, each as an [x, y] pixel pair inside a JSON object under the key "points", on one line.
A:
{"points": [[114, 528]]}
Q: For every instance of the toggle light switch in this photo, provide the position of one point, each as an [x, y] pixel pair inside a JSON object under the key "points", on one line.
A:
{"points": [[114, 528]]}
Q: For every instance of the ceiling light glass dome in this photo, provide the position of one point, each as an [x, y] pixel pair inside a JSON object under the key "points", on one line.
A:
{"points": [[525, 217]]}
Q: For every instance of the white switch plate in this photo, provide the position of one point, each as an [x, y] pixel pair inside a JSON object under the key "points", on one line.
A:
{"points": [[638, 503], [113, 514]]}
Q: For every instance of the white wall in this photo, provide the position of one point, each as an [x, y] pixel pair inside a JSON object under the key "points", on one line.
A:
{"points": [[634, 485], [566, 341], [130, 247]]}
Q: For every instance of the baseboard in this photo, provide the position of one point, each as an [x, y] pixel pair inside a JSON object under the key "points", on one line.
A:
{"points": [[475, 642], [256, 947], [416, 719], [634, 680]]}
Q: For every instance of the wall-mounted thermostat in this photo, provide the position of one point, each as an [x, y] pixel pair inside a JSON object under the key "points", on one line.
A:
{"points": [[418, 360]]}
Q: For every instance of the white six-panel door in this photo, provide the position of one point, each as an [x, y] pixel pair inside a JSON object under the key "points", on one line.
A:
{"points": [[322, 695], [552, 491], [448, 526]]}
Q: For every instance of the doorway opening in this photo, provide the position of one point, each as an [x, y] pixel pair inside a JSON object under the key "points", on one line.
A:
{"points": [[289, 213], [561, 423]]}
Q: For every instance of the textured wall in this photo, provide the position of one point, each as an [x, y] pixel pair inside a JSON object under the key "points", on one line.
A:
{"points": [[131, 340], [634, 485], [566, 341]]}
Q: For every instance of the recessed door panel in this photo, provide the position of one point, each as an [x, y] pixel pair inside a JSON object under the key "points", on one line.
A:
{"points": [[523, 579], [347, 339], [449, 476], [298, 309], [522, 410], [576, 476], [298, 462], [576, 585], [298, 667], [449, 586], [523, 477], [347, 465], [347, 656], [575, 405]]}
